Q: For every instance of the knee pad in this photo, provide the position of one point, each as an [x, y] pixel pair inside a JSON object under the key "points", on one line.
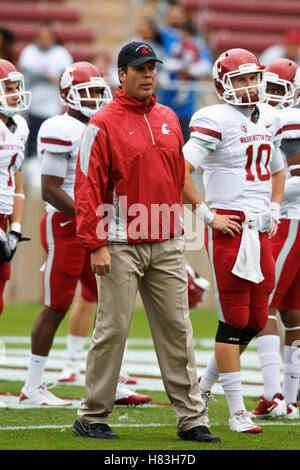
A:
{"points": [[247, 335], [228, 334]]}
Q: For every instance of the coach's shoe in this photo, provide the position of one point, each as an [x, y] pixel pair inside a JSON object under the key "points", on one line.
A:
{"points": [[292, 411], [125, 396], [241, 422], [68, 375], [270, 409], [95, 430], [3, 405], [199, 434], [41, 397]]}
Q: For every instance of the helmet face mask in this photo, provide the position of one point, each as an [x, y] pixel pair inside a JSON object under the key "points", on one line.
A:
{"points": [[9, 76], [283, 73], [237, 63], [78, 85]]}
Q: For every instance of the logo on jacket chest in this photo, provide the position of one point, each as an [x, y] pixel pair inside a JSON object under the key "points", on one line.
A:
{"points": [[164, 129]]}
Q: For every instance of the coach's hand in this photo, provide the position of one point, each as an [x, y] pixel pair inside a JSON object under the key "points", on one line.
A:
{"points": [[100, 261], [226, 223]]}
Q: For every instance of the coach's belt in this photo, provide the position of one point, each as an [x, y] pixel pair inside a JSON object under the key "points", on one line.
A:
{"points": [[247, 264]]}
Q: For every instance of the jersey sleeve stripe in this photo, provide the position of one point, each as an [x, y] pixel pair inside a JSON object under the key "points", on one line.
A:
{"points": [[203, 130], [48, 140], [279, 131], [291, 127]]}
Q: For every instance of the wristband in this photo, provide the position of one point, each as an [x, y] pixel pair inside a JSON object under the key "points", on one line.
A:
{"points": [[204, 213], [20, 195], [15, 227], [275, 210]]}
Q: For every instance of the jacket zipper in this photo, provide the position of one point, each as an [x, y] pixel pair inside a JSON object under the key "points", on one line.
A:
{"points": [[149, 127]]}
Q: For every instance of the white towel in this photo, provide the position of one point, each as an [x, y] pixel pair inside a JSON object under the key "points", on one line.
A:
{"points": [[247, 264]]}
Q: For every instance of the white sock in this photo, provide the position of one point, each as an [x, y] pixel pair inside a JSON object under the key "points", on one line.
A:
{"points": [[268, 347], [210, 375], [232, 386], [75, 346], [36, 369], [291, 373]]}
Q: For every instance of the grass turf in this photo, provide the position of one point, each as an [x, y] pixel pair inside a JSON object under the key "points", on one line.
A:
{"points": [[17, 320]]}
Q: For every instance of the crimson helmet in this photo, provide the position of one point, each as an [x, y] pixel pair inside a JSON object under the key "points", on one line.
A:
{"points": [[9, 73], [197, 287], [286, 73], [233, 63], [83, 76]]}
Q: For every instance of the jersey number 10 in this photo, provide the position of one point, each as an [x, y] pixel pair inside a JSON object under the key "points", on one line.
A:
{"points": [[263, 177]]}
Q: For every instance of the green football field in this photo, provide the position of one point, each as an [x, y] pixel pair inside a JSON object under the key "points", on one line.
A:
{"points": [[150, 427]]}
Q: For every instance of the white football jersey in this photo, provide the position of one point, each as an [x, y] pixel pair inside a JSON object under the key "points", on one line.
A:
{"points": [[61, 134], [12, 146], [290, 208], [237, 171]]}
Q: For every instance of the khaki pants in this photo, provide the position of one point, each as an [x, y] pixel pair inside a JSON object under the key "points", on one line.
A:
{"points": [[158, 270]]}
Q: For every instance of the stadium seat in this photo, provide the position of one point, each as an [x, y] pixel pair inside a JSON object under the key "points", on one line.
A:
{"points": [[212, 20], [26, 31], [223, 40], [24, 11], [278, 7]]}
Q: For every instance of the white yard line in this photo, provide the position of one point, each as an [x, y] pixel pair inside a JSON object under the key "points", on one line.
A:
{"points": [[118, 425]]}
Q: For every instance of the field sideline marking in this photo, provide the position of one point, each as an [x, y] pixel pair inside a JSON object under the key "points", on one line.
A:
{"points": [[63, 426]]}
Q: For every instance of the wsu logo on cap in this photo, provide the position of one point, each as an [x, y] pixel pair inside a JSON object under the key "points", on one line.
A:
{"points": [[144, 49]]}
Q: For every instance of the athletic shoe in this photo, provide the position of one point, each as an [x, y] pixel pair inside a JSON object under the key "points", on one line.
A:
{"points": [[292, 411], [3, 405], [125, 396], [41, 397], [270, 409], [95, 430], [241, 422], [199, 434], [126, 379], [68, 375]]}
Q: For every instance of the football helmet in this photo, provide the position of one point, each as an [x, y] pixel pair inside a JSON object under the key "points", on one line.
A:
{"points": [[9, 73], [233, 63], [197, 287], [82, 77], [286, 73]]}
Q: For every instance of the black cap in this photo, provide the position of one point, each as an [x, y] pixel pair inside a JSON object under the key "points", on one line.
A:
{"points": [[136, 53]]}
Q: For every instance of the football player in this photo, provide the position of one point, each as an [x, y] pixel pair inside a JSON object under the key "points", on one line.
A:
{"points": [[282, 78], [84, 91], [13, 136], [236, 144]]}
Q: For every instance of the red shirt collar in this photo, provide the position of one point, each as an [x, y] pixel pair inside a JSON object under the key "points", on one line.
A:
{"points": [[131, 102]]}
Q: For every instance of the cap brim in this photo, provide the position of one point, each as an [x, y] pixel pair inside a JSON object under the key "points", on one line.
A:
{"points": [[142, 60]]}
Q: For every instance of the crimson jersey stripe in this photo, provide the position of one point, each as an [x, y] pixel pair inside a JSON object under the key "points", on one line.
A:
{"points": [[205, 131], [48, 140], [279, 132], [291, 127]]}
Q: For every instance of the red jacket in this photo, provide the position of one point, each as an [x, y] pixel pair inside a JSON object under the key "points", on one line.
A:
{"points": [[130, 162]]}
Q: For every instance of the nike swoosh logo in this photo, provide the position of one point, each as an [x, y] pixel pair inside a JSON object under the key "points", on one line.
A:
{"points": [[131, 132], [62, 224], [269, 125]]}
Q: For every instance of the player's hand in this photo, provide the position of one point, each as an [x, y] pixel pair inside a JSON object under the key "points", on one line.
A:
{"points": [[273, 230], [5, 251], [226, 223], [13, 238], [100, 261]]}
